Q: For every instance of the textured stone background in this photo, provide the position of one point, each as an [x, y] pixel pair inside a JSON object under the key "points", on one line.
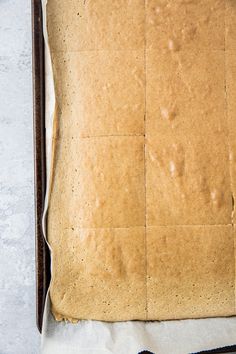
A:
{"points": [[18, 333]]}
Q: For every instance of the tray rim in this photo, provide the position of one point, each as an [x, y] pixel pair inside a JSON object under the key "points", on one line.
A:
{"points": [[42, 254]]}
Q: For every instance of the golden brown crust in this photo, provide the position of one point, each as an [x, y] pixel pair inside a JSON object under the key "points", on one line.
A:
{"points": [[184, 24], [96, 25], [102, 275], [141, 210], [183, 187], [96, 96], [184, 93], [190, 272], [100, 183]]}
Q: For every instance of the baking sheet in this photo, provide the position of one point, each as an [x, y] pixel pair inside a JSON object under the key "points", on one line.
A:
{"points": [[185, 336]]}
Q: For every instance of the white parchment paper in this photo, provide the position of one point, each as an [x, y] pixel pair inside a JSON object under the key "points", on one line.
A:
{"points": [[166, 337]]}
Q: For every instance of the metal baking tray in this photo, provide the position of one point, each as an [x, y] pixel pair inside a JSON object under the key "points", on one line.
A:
{"points": [[42, 252]]}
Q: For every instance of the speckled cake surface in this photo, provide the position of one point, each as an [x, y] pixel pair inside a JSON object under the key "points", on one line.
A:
{"points": [[141, 213]]}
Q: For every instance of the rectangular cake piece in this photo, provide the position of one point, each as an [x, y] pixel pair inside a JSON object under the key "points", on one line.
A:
{"points": [[101, 274], [190, 272]]}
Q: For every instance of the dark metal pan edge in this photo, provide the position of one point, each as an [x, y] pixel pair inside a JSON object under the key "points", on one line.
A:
{"points": [[42, 252]]}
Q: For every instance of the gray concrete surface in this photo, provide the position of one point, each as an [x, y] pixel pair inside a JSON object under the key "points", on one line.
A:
{"points": [[18, 333]]}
